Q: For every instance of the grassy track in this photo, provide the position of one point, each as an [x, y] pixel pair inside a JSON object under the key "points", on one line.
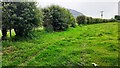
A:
{"points": [[83, 45]]}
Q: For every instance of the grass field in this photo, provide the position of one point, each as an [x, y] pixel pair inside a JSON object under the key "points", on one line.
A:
{"points": [[82, 46]]}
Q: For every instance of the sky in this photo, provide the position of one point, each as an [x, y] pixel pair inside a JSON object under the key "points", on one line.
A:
{"points": [[90, 8]]}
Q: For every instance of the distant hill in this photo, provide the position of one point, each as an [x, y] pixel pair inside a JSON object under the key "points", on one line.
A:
{"points": [[75, 13]]}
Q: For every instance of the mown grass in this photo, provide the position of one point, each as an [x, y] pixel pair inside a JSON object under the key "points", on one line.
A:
{"points": [[81, 46]]}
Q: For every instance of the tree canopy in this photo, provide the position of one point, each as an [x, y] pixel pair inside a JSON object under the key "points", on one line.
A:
{"points": [[57, 18], [21, 16]]}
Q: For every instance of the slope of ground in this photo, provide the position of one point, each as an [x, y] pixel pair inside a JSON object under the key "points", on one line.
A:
{"points": [[81, 46]]}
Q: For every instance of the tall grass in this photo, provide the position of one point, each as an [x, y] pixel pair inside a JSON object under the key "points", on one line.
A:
{"points": [[81, 46]]}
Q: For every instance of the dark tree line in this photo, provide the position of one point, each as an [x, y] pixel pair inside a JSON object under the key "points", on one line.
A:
{"points": [[89, 20], [24, 16]]}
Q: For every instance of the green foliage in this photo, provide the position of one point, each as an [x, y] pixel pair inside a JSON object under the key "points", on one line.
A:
{"points": [[112, 20], [26, 19], [22, 16], [90, 20], [81, 20], [7, 14], [97, 20], [117, 17], [57, 18], [7, 17]]}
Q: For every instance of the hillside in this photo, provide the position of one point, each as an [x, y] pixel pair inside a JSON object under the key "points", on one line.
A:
{"points": [[80, 46], [75, 13]]}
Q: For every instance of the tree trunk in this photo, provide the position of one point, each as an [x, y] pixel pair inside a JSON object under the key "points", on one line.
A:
{"points": [[18, 32], [4, 32]]}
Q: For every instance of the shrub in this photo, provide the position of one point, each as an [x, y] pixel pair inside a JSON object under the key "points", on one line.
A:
{"points": [[81, 20], [113, 20], [90, 20], [105, 20], [57, 18]]}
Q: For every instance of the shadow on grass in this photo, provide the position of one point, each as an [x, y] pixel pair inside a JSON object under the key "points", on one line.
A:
{"points": [[32, 35]]}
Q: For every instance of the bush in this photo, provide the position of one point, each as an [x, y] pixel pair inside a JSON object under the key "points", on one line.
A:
{"points": [[105, 20], [113, 20], [57, 18], [81, 20], [90, 20]]}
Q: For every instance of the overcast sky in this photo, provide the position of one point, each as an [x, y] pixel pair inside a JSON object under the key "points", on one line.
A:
{"points": [[87, 7]]}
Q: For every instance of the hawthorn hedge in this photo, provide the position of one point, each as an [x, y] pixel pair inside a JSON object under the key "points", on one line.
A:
{"points": [[90, 20]]}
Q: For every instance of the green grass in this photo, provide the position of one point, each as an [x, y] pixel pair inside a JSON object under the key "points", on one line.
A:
{"points": [[83, 45]]}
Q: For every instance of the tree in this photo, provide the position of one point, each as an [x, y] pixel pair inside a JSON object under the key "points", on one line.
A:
{"points": [[7, 21], [117, 17], [57, 18], [28, 16], [22, 16]]}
